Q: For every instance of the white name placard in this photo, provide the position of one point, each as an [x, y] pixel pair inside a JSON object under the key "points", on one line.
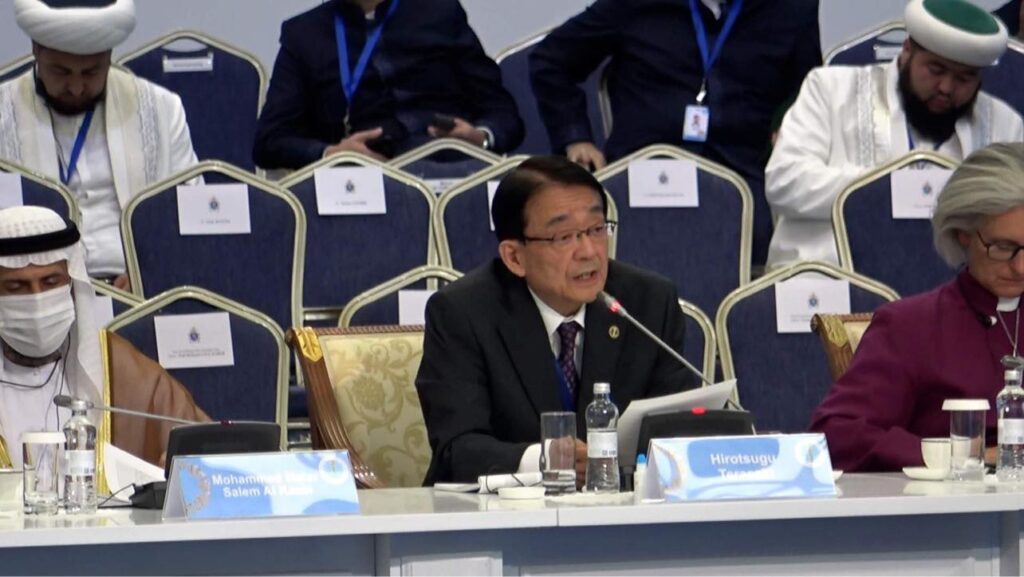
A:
{"points": [[914, 191], [799, 299], [663, 183], [194, 341], [492, 187], [213, 209], [194, 64], [412, 306], [347, 190], [10, 190]]}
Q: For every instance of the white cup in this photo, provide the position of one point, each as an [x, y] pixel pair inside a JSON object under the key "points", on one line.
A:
{"points": [[936, 452]]}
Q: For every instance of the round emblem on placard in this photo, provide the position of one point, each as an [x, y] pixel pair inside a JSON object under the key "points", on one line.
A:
{"points": [[333, 471], [613, 331], [809, 452]]}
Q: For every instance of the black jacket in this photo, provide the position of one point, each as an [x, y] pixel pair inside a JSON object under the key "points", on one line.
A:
{"points": [[428, 61], [488, 371]]}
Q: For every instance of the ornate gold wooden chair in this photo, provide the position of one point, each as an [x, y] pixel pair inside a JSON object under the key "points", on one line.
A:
{"points": [[361, 384], [840, 335]]}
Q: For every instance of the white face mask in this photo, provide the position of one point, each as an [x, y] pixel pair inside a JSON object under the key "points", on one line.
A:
{"points": [[36, 325]]}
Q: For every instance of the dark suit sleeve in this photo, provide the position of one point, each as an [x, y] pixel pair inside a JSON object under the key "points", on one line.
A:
{"points": [[282, 140], [481, 80], [564, 59], [669, 376], [453, 390]]}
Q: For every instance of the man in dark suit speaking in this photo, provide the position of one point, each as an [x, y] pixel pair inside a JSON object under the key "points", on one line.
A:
{"points": [[525, 333]]}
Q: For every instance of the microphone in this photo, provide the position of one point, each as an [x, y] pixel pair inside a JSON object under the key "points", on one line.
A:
{"points": [[616, 308], [65, 402]]}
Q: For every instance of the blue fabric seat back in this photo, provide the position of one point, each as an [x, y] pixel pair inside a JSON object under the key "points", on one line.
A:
{"points": [[221, 105], [1006, 80], [253, 269], [34, 193], [245, 391], [698, 249], [515, 76], [349, 254], [432, 169], [383, 311], [781, 377], [877, 47], [897, 252], [471, 241]]}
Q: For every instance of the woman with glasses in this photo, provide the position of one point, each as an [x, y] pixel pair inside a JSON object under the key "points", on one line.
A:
{"points": [[952, 342]]}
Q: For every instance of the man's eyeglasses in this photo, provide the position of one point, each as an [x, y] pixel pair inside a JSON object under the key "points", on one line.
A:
{"points": [[567, 239], [1000, 250]]}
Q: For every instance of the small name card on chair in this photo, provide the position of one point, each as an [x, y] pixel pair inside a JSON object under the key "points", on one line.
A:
{"points": [[10, 190], [194, 341], [663, 183], [914, 191], [213, 209], [350, 190], [261, 485], [798, 299], [763, 467]]}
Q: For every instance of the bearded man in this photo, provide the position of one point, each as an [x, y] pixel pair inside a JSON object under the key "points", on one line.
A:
{"points": [[100, 130], [849, 120]]}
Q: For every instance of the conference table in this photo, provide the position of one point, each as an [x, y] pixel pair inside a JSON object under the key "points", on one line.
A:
{"points": [[878, 524]]}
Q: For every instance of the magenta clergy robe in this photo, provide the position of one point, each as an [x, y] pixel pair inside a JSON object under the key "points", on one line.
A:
{"points": [[918, 351]]}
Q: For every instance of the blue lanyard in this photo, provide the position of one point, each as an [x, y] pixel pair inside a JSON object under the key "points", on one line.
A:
{"points": [[568, 402], [76, 150], [910, 141], [708, 59], [350, 79]]}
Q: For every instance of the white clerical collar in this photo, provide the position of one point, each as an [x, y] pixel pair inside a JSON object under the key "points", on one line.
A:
{"points": [[1007, 305], [553, 319], [715, 6]]}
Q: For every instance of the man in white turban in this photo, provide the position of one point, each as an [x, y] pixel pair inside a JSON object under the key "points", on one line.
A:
{"points": [[51, 344], [848, 120], [103, 132]]}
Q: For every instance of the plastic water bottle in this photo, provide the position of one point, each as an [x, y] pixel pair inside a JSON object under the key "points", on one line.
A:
{"points": [[1010, 412], [602, 442], [79, 461]]}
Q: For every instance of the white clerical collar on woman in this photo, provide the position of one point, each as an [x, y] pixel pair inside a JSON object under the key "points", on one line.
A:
{"points": [[1007, 305], [554, 319]]}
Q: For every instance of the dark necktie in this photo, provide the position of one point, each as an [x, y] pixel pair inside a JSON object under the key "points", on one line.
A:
{"points": [[567, 355]]}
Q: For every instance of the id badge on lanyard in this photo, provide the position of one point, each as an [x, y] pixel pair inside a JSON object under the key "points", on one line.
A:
{"points": [[697, 117]]}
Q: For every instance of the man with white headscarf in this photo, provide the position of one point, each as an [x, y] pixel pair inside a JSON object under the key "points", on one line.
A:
{"points": [[100, 130], [848, 120], [51, 343]]}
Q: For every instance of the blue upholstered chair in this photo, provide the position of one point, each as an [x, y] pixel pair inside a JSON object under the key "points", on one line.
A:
{"points": [[444, 162], [880, 44], [16, 67], [705, 250], [221, 87], [262, 269], [352, 253], [462, 219], [38, 190], [782, 377], [515, 75], [897, 252], [254, 388], [699, 344], [120, 301], [379, 305], [1006, 80]]}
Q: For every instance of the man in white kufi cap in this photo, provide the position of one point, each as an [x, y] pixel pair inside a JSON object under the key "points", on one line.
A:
{"points": [[100, 130], [51, 343], [848, 120]]}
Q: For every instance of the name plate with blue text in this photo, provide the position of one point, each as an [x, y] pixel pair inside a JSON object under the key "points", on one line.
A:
{"points": [[261, 485], [745, 467]]}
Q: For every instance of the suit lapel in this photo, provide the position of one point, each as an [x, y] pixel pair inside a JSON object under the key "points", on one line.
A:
{"points": [[522, 331]]}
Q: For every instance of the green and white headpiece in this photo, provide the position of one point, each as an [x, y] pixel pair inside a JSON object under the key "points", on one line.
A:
{"points": [[957, 30]]}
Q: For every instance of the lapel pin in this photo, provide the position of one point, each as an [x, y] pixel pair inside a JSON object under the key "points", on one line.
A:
{"points": [[613, 331]]}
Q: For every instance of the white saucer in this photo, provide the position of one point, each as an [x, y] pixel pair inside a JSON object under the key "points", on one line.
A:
{"points": [[521, 493], [836, 473], [926, 474]]}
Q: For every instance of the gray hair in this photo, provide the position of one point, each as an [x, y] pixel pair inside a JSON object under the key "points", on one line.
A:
{"points": [[988, 183]]}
